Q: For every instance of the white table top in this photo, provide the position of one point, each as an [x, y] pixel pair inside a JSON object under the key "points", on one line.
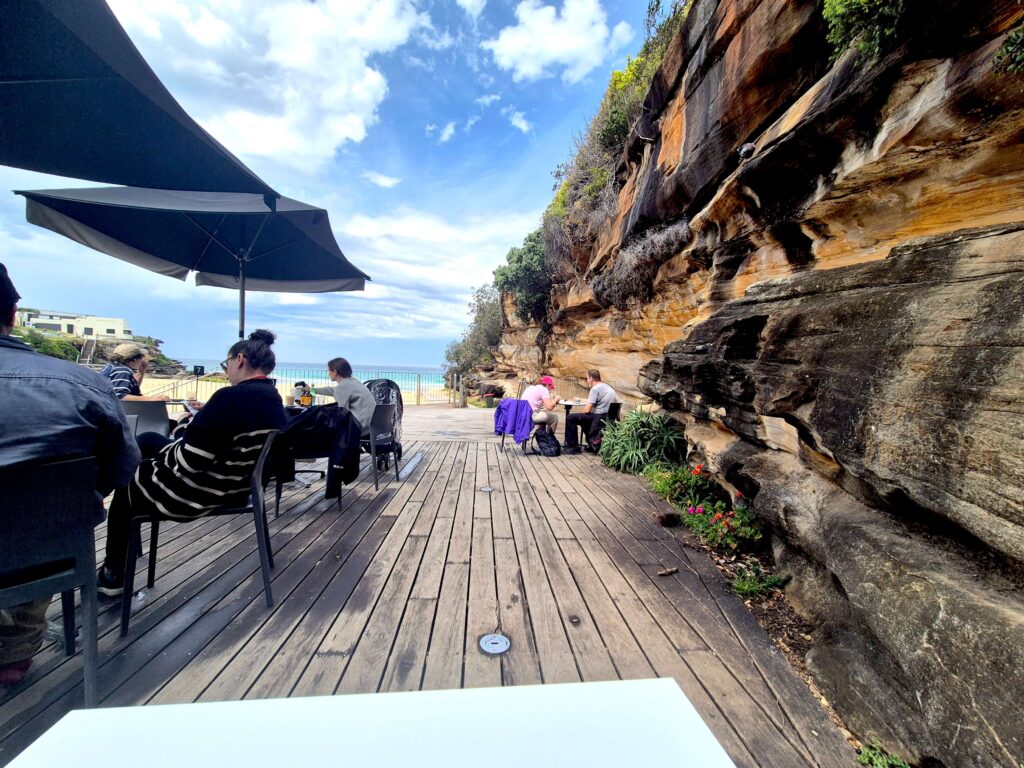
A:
{"points": [[620, 723], [572, 402]]}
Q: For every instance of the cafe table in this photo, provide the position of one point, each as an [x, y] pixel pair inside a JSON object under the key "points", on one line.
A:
{"points": [[617, 723], [570, 404]]}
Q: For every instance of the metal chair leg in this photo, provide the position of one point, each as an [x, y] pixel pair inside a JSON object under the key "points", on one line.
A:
{"points": [[263, 545], [67, 609], [154, 536], [89, 641], [373, 462]]}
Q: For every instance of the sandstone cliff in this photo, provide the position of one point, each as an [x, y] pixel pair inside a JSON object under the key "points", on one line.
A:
{"points": [[838, 320]]}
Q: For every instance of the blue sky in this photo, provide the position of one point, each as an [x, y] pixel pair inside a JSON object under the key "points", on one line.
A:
{"points": [[428, 130]]}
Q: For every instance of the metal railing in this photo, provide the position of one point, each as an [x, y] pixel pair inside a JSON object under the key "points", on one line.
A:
{"points": [[418, 388]]}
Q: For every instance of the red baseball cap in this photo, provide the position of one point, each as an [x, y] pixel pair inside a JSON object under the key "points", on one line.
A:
{"points": [[547, 381]]}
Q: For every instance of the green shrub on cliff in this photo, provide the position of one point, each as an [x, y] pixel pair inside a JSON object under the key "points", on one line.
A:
{"points": [[53, 346], [527, 276], [871, 25], [1010, 58], [586, 193]]}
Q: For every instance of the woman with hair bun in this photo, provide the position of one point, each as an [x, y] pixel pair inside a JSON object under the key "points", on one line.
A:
{"points": [[210, 466]]}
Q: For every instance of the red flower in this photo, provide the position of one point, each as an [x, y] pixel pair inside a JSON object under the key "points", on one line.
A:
{"points": [[739, 494]]}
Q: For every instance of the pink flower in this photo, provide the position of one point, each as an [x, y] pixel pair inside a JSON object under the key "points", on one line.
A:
{"points": [[700, 510], [691, 511]]}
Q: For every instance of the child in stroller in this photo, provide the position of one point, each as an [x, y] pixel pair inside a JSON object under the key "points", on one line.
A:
{"points": [[386, 392]]}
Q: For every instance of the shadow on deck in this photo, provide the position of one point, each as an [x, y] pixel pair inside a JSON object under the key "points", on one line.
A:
{"points": [[394, 591]]}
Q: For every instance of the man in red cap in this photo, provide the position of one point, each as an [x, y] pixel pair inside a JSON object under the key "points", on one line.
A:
{"points": [[48, 408], [542, 399]]}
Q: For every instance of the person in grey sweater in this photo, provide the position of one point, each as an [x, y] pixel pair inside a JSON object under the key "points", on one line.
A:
{"points": [[349, 392]]}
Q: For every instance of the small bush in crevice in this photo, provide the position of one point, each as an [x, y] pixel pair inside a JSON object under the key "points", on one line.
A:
{"points": [[875, 756], [638, 263], [871, 25], [1010, 58], [640, 439]]}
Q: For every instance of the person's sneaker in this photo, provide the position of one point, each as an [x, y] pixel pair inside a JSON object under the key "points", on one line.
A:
{"points": [[109, 583], [572, 449], [15, 672]]}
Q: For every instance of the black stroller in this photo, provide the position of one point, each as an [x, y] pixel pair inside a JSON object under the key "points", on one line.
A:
{"points": [[386, 392]]}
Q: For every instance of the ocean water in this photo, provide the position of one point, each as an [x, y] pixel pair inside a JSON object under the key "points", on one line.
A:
{"points": [[428, 380]]}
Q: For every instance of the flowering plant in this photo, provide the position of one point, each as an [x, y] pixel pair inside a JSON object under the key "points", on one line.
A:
{"points": [[710, 518]]}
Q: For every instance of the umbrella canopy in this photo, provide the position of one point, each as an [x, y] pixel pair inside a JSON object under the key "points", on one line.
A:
{"points": [[228, 239], [80, 101]]}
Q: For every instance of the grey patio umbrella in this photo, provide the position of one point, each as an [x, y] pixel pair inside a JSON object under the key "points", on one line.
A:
{"points": [[228, 239], [80, 101]]}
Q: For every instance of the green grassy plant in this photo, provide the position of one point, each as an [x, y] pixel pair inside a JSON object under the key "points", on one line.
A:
{"points": [[751, 581], [640, 439]]}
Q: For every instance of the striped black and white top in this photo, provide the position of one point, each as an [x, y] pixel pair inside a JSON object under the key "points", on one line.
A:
{"points": [[211, 466], [122, 379]]}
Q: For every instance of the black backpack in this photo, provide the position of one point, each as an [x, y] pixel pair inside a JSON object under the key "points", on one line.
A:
{"points": [[545, 443]]}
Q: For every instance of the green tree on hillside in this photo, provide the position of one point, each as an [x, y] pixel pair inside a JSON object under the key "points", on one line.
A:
{"points": [[484, 332]]}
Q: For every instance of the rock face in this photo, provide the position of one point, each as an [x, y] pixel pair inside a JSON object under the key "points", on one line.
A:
{"points": [[838, 320]]}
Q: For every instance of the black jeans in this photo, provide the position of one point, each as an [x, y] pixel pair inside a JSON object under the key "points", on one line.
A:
{"points": [[582, 420], [125, 505]]}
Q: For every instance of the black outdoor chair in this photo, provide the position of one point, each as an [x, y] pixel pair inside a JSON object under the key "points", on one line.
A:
{"points": [[49, 512], [152, 416], [256, 506], [382, 441], [597, 428]]}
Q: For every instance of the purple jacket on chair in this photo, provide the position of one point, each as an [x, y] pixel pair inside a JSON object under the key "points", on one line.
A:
{"points": [[514, 417]]}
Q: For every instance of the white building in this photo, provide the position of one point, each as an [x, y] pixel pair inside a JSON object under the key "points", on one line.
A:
{"points": [[86, 326]]}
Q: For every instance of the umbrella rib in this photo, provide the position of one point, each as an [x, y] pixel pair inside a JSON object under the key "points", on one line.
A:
{"points": [[32, 81], [211, 235], [277, 248]]}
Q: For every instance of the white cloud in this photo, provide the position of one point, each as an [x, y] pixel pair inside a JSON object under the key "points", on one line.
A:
{"points": [[429, 128], [380, 179], [487, 99], [473, 120], [283, 79], [296, 299], [517, 119], [473, 7], [447, 132], [438, 42], [577, 40]]}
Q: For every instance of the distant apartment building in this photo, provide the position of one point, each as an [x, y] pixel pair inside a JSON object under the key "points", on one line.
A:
{"points": [[86, 326]]}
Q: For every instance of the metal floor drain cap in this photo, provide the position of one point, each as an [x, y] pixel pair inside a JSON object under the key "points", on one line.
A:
{"points": [[494, 644], [487, 489]]}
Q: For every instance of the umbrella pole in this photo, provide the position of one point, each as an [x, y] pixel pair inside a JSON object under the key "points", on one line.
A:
{"points": [[241, 298]]}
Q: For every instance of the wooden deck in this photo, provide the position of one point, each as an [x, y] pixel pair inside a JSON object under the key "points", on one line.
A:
{"points": [[394, 591]]}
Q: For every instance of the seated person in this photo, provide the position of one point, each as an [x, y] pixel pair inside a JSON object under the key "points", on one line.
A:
{"points": [[211, 465], [600, 399], [128, 365], [51, 408], [542, 399], [349, 392]]}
